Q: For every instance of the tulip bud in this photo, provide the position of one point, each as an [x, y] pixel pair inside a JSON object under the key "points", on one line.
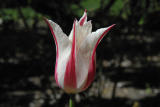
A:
{"points": [[75, 55]]}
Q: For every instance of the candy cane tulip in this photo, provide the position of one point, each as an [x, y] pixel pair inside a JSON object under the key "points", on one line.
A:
{"points": [[75, 57]]}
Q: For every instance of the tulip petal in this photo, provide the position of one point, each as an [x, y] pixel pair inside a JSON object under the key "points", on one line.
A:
{"points": [[62, 50], [98, 35], [82, 56], [91, 44], [82, 66], [82, 61], [94, 39], [91, 73], [83, 18], [82, 32], [70, 74]]}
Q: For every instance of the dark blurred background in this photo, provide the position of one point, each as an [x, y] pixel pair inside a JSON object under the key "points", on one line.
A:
{"points": [[128, 58]]}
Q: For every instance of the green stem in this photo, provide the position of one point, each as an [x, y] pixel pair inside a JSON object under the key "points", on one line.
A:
{"points": [[71, 101]]}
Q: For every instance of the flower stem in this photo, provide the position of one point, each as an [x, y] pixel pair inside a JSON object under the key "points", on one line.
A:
{"points": [[71, 104]]}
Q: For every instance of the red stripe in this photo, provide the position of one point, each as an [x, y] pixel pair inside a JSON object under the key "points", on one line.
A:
{"points": [[91, 73], [84, 18], [92, 67], [57, 53], [70, 74]]}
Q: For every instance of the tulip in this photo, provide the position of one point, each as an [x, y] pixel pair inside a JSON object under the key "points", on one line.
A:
{"points": [[75, 54]]}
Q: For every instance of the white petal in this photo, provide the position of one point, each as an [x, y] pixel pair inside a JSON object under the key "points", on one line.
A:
{"points": [[82, 32], [95, 36], [61, 37], [64, 49], [62, 62], [93, 39], [82, 66], [71, 33], [85, 53]]}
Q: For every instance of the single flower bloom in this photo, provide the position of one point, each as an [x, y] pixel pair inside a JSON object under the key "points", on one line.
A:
{"points": [[75, 54]]}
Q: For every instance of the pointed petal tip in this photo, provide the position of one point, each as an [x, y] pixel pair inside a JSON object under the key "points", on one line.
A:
{"points": [[113, 25], [47, 21], [108, 28], [83, 18]]}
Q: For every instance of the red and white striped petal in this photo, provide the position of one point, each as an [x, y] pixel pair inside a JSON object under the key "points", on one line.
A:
{"points": [[83, 19], [70, 83], [75, 58], [63, 50], [94, 39], [90, 45]]}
